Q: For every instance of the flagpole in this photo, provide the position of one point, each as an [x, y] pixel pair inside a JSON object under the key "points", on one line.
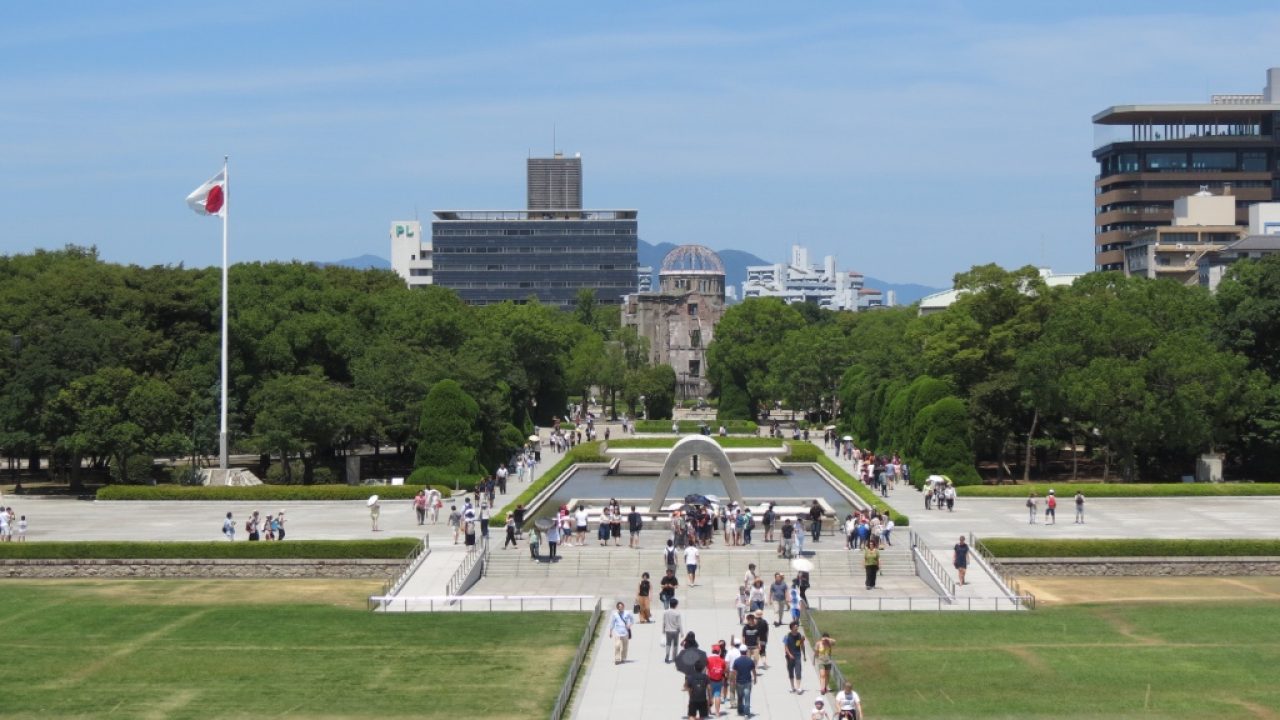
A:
{"points": [[222, 432]]}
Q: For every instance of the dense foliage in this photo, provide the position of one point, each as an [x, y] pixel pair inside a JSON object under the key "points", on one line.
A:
{"points": [[1134, 375], [104, 366], [1130, 547]]}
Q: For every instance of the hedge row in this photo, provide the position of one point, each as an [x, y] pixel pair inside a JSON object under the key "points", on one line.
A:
{"points": [[1097, 490], [666, 442], [804, 452], [389, 549], [1038, 548], [264, 493], [587, 452], [862, 491], [733, 427]]}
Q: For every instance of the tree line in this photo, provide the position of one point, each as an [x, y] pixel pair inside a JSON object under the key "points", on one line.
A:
{"points": [[106, 366], [1136, 376]]}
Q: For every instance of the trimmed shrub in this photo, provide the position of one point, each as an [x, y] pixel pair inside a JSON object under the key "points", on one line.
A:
{"points": [[447, 433], [389, 549], [947, 448], [443, 478], [1145, 547], [276, 474], [258, 492], [803, 451], [1094, 490], [323, 475], [734, 404]]}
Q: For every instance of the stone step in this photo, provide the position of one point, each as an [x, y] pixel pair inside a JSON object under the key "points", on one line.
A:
{"points": [[627, 563]]}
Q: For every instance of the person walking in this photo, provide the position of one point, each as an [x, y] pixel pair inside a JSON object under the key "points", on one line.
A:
{"points": [[278, 526], [375, 510], [778, 594], [960, 558], [691, 554], [455, 522], [794, 649], [751, 637], [634, 523], [672, 626], [229, 527], [871, 563], [620, 630], [848, 704], [553, 541], [420, 506], [251, 527], [1031, 508], [642, 599], [1079, 507], [823, 660], [669, 584], [1051, 509], [819, 711], [815, 521], [511, 533], [534, 540], [744, 669], [715, 673], [698, 684]]}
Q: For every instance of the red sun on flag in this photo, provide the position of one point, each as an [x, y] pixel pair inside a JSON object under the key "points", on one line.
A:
{"points": [[213, 201]]}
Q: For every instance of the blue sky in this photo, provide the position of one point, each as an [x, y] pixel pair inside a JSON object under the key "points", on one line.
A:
{"points": [[911, 139]]}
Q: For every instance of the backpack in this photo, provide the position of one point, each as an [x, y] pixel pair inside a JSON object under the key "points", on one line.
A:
{"points": [[715, 668], [671, 557]]}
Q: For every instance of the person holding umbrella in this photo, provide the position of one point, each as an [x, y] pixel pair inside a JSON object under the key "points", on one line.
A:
{"points": [[375, 509]]}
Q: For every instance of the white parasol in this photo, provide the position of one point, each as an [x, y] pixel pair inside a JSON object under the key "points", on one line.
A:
{"points": [[802, 565], [373, 500], [533, 438], [847, 438]]}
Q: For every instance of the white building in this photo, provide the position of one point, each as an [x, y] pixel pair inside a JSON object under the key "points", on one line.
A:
{"points": [[799, 282], [1263, 239], [410, 252], [940, 301]]}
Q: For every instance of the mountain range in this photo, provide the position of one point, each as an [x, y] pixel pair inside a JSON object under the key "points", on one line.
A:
{"points": [[735, 269]]}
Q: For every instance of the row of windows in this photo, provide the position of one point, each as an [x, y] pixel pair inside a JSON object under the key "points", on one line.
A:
{"points": [[498, 232], [533, 284], [530, 250], [1167, 161], [1159, 184], [526, 268]]}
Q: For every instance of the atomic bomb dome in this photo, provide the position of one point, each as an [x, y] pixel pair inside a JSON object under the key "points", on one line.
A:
{"points": [[692, 260]]}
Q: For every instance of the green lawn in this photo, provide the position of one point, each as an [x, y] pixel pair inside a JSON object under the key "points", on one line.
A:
{"points": [[1175, 660], [1130, 547], [86, 649], [666, 442]]}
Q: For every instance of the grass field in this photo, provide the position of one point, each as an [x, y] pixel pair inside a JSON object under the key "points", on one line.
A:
{"points": [[201, 649], [1130, 547], [1066, 491], [1132, 660]]}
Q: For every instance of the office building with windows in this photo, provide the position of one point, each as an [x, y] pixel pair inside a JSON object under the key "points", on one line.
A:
{"points": [[554, 183], [679, 319], [1151, 155], [1202, 223], [410, 253], [799, 281]]}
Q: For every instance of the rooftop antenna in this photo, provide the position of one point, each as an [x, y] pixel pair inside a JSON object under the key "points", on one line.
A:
{"points": [[553, 139]]}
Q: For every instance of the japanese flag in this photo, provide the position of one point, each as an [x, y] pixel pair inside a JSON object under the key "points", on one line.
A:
{"points": [[211, 197]]}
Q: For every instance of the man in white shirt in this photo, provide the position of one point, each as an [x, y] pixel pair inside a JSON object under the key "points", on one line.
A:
{"points": [[620, 623], [848, 704], [749, 578], [691, 562]]}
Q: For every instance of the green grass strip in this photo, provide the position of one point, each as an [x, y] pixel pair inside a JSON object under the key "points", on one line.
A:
{"points": [[587, 452], [666, 442], [261, 492], [733, 427], [1100, 490], [389, 549], [867, 494], [1043, 548]]}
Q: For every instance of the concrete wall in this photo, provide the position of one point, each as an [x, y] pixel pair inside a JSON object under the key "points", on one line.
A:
{"points": [[1142, 567], [348, 569]]}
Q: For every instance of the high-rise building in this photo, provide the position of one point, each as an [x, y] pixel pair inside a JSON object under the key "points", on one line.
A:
{"points": [[800, 281], [555, 183], [410, 252], [1151, 155]]}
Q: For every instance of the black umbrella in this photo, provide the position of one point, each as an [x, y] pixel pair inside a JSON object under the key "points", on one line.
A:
{"points": [[697, 499], [687, 660]]}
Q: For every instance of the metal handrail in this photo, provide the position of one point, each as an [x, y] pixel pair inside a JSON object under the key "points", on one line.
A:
{"points": [[935, 565], [1015, 589], [571, 679], [482, 603], [411, 563], [914, 602], [478, 553]]}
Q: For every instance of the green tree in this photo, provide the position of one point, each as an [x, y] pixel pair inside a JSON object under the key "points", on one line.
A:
{"points": [[946, 448], [448, 436], [304, 416], [746, 343]]}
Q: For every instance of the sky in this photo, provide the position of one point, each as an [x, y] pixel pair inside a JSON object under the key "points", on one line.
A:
{"points": [[910, 139]]}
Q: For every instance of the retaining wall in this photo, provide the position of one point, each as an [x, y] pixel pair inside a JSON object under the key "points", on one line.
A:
{"points": [[1142, 566], [182, 568]]}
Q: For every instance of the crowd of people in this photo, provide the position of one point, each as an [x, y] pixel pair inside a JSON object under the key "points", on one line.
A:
{"points": [[12, 524], [256, 527]]}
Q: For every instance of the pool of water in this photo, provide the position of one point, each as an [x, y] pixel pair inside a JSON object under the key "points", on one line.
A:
{"points": [[794, 486]]}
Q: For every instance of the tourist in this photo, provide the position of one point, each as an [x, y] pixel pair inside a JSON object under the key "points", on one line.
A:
{"points": [[511, 533], [749, 577], [819, 711], [950, 494], [886, 529], [455, 522], [763, 645], [748, 524], [793, 648], [691, 563], [229, 528], [251, 527], [602, 532], [744, 669], [1079, 507], [743, 601], [518, 514], [691, 656], [751, 636], [669, 556], [960, 558], [484, 519], [672, 626], [374, 510], [469, 533], [715, 673], [669, 584], [698, 684], [785, 548], [798, 535], [268, 532], [278, 526], [778, 594], [815, 521], [822, 658], [615, 523], [1031, 507], [1051, 509], [795, 599], [22, 529], [553, 541], [642, 599], [533, 543], [634, 524], [620, 630], [580, 522], [769, 517], [732, 653], [850, 532], [420, 506], [756, 598], [871, 562], [848, 704], [434, 503]]}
